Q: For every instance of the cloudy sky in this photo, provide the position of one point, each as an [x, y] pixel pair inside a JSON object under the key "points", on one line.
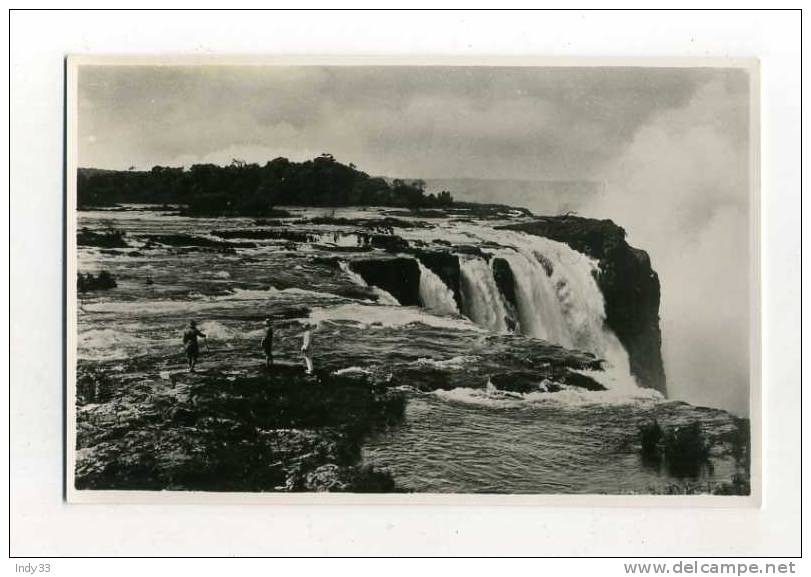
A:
{"points": [[669, 147], [531, 123]]}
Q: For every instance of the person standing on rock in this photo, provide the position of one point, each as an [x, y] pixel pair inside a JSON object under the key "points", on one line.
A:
{"points": [[190, 344], [267, 343], [306, 346]]}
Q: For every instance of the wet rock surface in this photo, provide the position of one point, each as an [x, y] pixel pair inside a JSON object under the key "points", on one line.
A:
{"points": [[106, 239], [398, 276], [256, 430]]}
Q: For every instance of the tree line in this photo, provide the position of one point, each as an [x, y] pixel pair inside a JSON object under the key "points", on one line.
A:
{"points": [[251, 189]]}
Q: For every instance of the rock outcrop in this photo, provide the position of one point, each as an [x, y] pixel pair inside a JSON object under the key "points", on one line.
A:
{"points": [[272, 430], [398, 276], [629, 285]]}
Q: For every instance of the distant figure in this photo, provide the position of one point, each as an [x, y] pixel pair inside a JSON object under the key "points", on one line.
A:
{"points": [[267, 343], [149, 280], [190, 344], [306, 342]]}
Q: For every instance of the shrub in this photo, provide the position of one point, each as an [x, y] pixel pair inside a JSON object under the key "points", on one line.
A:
{"points": [[651, 436], [685, 449]]}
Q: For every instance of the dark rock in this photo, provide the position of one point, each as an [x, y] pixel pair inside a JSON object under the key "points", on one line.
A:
{"points": [[629, 285], [387, 242], [267, 234], [355, 292], [573, 379], [108, 239], [517, 381], [399, 276], [342, 248], [384, 224], [87, 282], [424, 378], [269, 222], [505, 281], [471, 250], [330, 261], [92, 386], [503, 275]]}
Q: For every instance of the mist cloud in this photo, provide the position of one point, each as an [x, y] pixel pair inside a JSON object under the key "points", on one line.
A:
{"points": [[680, 188]]}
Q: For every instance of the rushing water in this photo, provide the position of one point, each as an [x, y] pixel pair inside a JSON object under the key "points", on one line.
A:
{"points": [[482, 302], [466, 438], [434, 294]]}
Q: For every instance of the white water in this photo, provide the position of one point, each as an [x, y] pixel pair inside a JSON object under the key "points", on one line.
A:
{"points": [[371, 316], [434, 294], [557, 296], [383, 297], [481, 299]]}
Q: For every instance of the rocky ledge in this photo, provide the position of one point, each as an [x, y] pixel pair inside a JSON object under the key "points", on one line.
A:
{"points": [[277, 430]]}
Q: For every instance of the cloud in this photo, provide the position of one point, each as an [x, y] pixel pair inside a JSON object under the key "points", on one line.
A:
{"points": [[413, 121]]}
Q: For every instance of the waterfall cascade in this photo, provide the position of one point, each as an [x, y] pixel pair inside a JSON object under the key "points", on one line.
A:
{"points": [[434, 294], [383, 297], [481, 300], [559, 300], [555, 296]]}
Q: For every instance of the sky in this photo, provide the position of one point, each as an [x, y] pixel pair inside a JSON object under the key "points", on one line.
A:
{"points": [[669, 147]]}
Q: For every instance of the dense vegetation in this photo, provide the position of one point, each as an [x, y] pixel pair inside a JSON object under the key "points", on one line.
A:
{"points": [[251, 189]]}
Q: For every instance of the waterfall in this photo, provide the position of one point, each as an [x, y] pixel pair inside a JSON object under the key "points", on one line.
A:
{"points": [[481, 299], [538, 312], [556, 294], [434, 294], [383, 296], [559, 301]]}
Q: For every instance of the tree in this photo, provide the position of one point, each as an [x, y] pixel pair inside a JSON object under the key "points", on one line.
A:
{"points": [[251, 189]]}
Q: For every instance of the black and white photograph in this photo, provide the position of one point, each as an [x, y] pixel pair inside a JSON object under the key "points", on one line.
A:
{"points": [[442, 279]]}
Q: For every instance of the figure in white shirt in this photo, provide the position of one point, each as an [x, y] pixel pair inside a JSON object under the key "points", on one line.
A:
{"points": [[306, 345]]}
